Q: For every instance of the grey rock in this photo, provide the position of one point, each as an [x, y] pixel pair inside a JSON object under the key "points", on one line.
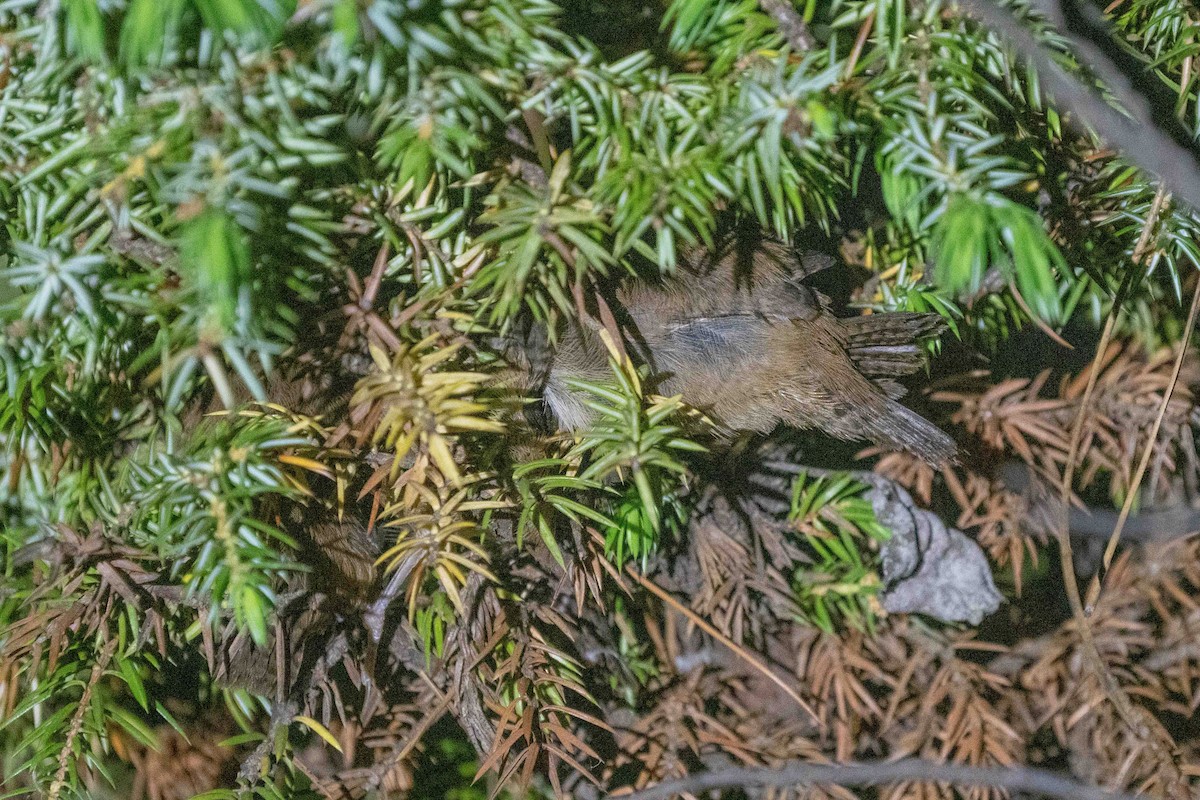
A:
{"points": [[929, 567]]}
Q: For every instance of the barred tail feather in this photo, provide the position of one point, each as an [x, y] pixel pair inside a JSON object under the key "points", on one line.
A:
{"points": [[887, 345], [905, 429]]}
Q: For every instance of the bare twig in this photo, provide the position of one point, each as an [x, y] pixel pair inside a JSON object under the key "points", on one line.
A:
{"points": [[385, 765], [1179, 521], [791, 24], [1037, 320], [464, 684], [1085, 402], [541, 141], [1108, 684], [860, 42], [707, 627], [1095, 57], [252, 768], [68, 748], [373, 619], [142, 248], [1012, 779], [1127, 506]]}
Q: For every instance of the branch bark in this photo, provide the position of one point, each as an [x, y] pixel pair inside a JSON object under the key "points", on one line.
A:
{"points": [[1147, 144], [791, 25], [1014, 779]]}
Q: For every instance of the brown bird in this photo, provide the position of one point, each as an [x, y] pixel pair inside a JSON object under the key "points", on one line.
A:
{"points": [[739, 336]]}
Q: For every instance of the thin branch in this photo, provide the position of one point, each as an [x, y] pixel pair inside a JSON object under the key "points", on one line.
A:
{"points": [[1148, 146], [707, 627], [253, 767], [373, 620], [464, 683], [1108, 684], [385, 765], [1139, 252], [64, 755], [1012, 779], [1037, 320], [1095, 57], [791, 25], [860, 42], [1127, 506], [1178, 521]]}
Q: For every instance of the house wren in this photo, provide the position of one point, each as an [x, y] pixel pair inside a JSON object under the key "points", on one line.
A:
{"points": [[738, 335]]}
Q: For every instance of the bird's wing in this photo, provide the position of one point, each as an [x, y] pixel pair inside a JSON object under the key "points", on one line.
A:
{"points": [[682, 344], [700, 334]]}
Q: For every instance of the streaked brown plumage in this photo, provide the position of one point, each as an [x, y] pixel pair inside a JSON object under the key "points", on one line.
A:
{"points": [[344, 554], [739, 337]]}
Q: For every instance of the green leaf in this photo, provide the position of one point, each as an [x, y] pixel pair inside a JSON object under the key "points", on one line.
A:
{"points": [[320, 730], [215, 253], [146, 26], [129, 673], [133, 726], [551, 543], [254, 614], [86, 29], [975, 233], [345, 21]]}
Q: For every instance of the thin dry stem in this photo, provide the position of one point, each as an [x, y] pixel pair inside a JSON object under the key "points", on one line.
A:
{"points": [[1038, 321], [790, 23], [64, 755], [382, 767], [1112, 690], [704, 625], [859, 42], [1127, 506]]}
